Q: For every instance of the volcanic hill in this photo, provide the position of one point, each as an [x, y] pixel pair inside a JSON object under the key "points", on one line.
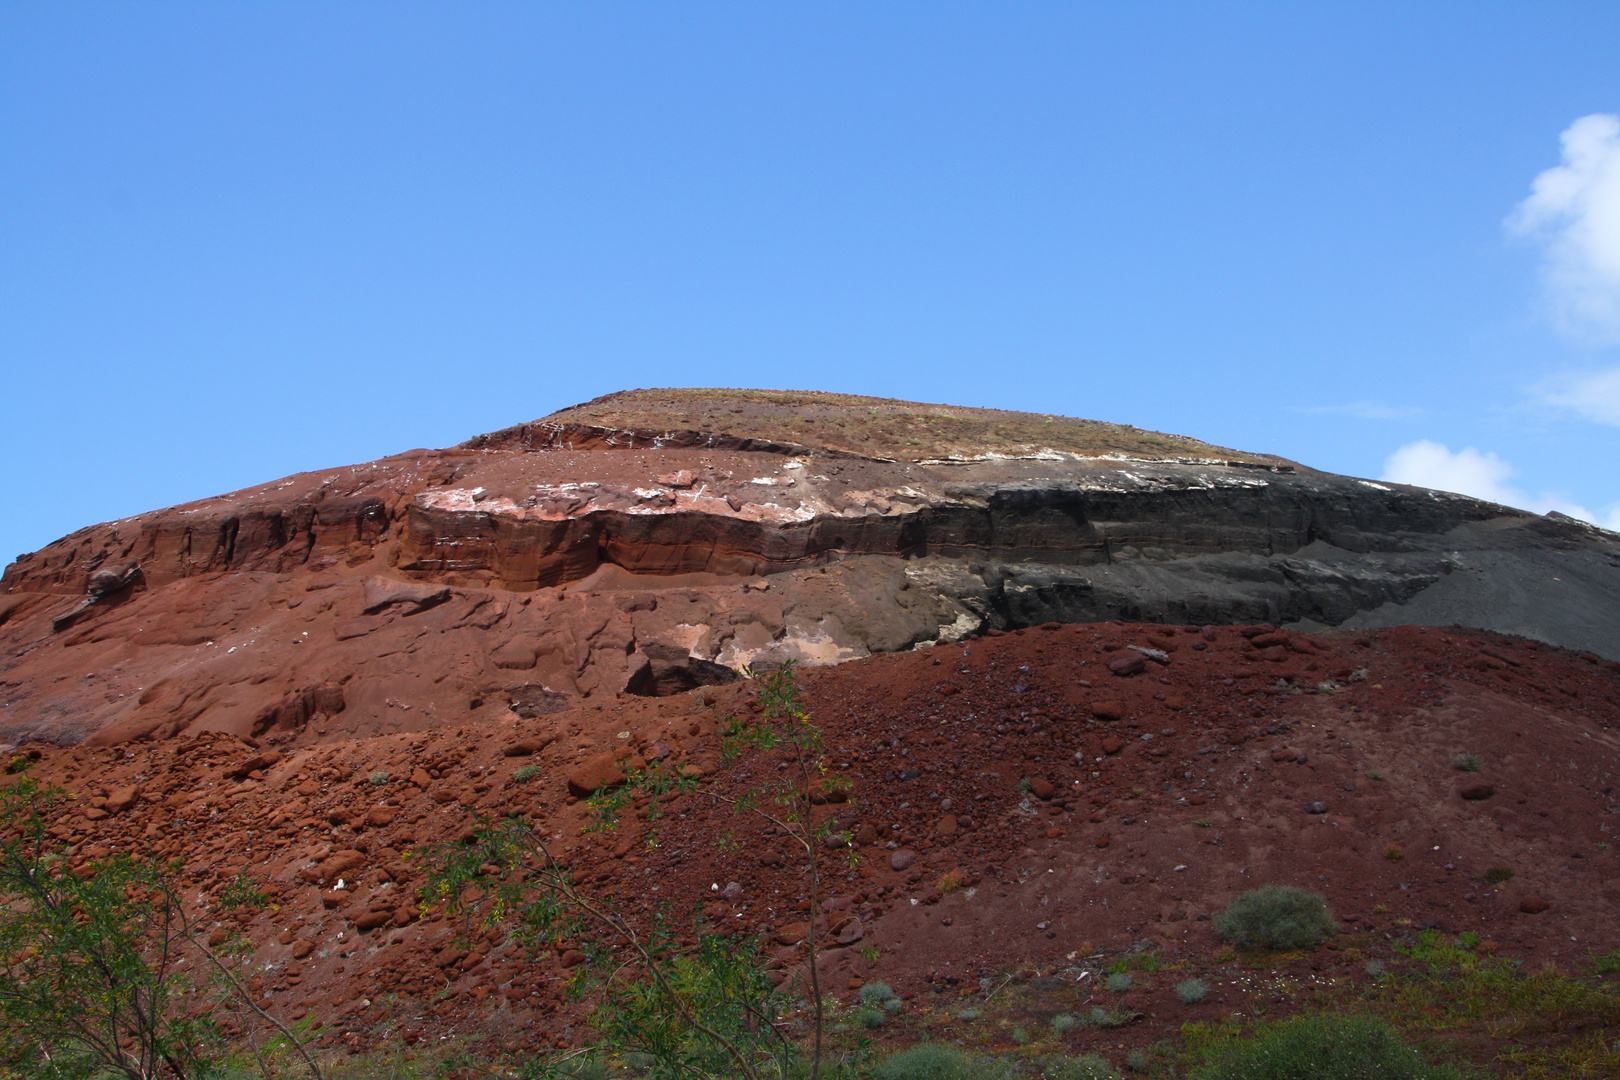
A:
{"points": [[1091, 683], [655, 540]]}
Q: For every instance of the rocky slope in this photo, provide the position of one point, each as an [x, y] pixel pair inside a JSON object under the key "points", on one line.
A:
{"points": [[1027, 808], [653, 541]]}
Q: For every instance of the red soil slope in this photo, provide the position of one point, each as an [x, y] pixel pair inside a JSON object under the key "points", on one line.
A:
{"points": [[1154, 798]]}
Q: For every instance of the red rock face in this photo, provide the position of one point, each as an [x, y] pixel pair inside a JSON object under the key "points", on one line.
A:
{"points": [[567, 561]]}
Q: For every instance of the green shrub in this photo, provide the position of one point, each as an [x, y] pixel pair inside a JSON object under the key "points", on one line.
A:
{"points": [[1275, 917], [1084, 1067], [1467, 763], [1498, 875], [1374, 968], [893, 1005], [1192, 991], [1139, 1060], [969, 1014], [925, 1061], [1324, 1048], [526, 773], [875, 993], [1120, 981], [869, 1017], [379, 778], [1062, 1024]]}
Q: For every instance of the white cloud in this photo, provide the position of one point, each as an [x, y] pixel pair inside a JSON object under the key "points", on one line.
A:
{"points": [[1594, 395], [1574, 211], [1484, 476]]}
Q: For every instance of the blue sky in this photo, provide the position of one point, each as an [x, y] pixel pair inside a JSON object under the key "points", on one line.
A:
{"points": [[243, 240]]}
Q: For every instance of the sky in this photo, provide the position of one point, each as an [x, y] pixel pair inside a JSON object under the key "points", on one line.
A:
{"points": [[239, 241]]}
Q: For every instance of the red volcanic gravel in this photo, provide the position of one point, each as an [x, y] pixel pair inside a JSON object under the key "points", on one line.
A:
{"points": [[1018, 800]]}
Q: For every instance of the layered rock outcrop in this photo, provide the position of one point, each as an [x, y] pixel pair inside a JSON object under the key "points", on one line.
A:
{"points": [[654, 541]]}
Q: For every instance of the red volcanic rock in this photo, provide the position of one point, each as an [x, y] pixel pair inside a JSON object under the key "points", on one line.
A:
{"points": [[1041, 788], [381, 593], [1128, 664], [1111, 745], [1477, 792], [1533, 905], [595, 773], [1108, 710], [526, 747]]}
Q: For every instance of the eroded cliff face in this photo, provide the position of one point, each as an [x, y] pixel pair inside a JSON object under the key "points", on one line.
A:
{"points": [[567, 560]]}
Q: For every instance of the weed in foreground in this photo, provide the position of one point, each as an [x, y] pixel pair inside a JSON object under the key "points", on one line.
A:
{"points": [[1318, 1048], [1083, 1067], [1275, 917], [1192, 991], [925, 1061]]}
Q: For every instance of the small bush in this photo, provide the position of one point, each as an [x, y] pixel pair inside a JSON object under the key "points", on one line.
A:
{"points": [[1275, 917], [1607, 964], [925, 1061], [1020, 1036], [1325, 1048], [1062, 1024], [1498, 875], [1139, 1060], [1084, 1067], [893, 1005], [1120, 981], [869, 1018], [378, 778], [969, 1015], [875, 993], [1394, 853], [1467, 763], [1374, 968], [527, 773], [1374, 774], [1192, 991]]}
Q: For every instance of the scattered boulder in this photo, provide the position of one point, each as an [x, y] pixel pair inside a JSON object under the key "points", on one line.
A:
{"points": [[595, 773], [1108, 710], [1533, 905], [1477, 792], [529, 746], [902, 859], [1129, 664]]}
